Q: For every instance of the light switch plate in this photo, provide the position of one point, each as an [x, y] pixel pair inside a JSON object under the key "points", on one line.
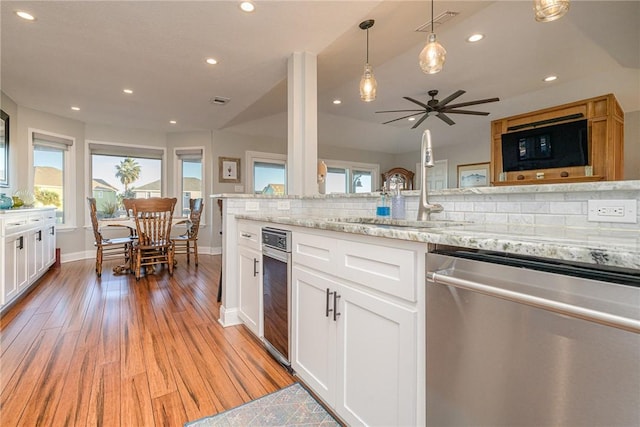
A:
{"points": [[613, 211]]}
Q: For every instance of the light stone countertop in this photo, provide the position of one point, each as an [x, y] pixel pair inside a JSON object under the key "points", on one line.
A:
{"points": [[606, 247]]}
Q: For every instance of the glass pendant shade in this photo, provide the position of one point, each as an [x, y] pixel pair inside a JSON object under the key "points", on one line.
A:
{"points": [[550, 10], [368, 85], [432, 56]]}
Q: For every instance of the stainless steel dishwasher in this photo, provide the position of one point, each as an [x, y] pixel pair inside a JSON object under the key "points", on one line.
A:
{"points": [[276, 291], [516, 341]]}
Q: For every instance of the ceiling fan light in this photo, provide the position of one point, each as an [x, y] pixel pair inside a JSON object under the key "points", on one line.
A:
{"points": [[550, 10], [368, 85], [432, 57]]}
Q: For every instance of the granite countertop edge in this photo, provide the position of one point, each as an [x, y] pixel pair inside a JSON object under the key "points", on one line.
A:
{"points": [[586, 248]]}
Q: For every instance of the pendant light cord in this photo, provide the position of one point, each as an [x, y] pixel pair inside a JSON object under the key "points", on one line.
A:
{"points": [[367, 45], [432, 16]]}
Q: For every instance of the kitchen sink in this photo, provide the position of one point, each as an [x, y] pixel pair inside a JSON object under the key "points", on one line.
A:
{"points": [[398, 223]]}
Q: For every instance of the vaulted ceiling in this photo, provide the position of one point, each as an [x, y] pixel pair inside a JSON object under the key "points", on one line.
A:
{"points": [[85, 53]]}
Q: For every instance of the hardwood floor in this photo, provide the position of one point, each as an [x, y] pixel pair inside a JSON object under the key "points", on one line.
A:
{"points": [[81, 350]]}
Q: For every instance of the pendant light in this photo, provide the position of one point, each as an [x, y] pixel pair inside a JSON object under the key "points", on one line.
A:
{"points": [[550, 10], [368, 84], [432, 56]]}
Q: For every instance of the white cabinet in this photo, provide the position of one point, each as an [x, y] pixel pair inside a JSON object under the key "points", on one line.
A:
{"points": [[250, 276], [355, 326], [27, 249]]}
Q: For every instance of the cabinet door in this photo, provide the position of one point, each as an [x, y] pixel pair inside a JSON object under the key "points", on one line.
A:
{"points": [[313, 332], [15, 266], [376, 347], [250, 295], [34, 254], [49, 236]]}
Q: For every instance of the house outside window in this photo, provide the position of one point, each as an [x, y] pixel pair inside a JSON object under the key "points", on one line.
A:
{"points": [[53, 176], [190, 175], [267, 173], [119, 172]]}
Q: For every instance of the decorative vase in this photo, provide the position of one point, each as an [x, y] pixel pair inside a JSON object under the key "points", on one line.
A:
{"points": [[17, 202], [6, 202]]}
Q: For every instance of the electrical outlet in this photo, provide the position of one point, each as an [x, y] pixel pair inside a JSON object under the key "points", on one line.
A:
{"points": [[252, 206], [284, 205], [613, 211]]}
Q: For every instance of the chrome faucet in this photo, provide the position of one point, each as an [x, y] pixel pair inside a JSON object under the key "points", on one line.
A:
{"points": [[426, 161]]}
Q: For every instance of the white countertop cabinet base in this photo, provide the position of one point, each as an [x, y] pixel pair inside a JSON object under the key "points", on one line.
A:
{"points": [[27, 250], [364, 361]]}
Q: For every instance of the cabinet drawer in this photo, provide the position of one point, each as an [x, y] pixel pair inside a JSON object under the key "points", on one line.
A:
{"points": [[314, 251], [249, 234], [387, 269]]}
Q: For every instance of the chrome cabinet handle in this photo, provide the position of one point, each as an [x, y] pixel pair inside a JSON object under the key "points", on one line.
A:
{"points": [[570, 310], [39, 235], [255, 267], [335, 306], [20, 242], [327, 309], [52, 230], [246, 235]]}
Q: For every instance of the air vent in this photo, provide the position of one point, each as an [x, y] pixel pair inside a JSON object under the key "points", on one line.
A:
{"points": [[219, 100], [437, 21]]}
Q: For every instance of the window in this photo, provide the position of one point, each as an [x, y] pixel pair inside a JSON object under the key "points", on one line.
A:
{"points": [[53, 176], [189, 173], [344, 177], [119, 172], [267, 173]]}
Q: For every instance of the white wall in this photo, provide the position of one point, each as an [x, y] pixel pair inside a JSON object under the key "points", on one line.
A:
{"points": [[632, 145]]}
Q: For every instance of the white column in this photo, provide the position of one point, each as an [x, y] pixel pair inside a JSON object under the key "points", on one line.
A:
{"points": [[302, 147]]}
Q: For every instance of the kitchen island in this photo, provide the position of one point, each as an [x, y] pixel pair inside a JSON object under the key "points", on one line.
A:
{"points": [[377, 270]]}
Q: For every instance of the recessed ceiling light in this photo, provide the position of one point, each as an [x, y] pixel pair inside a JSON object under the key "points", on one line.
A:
{"points": [[550, 78], [75, 108], [25, 15], [173, 122], [475, 38], [247, 6], [411, 119], [127, 91], [211, 61], [337, 101]]}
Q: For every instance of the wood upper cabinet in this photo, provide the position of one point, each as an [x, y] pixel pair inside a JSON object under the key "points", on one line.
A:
{"points": [[605, 122]]}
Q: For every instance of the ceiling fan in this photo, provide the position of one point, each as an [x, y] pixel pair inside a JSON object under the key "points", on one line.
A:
{"points": [[440, 108]]}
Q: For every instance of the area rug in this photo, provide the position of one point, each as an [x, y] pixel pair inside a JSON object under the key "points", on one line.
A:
{"points": [[291, 406]]}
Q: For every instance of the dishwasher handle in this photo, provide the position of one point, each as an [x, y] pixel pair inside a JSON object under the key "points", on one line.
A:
{"points": [[595, 316]]}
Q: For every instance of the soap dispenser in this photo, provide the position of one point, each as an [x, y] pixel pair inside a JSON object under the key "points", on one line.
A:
{"points": [[397, 199]]}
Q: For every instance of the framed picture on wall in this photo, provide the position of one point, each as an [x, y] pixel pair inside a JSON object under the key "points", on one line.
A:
{"points": [[473, 175], [228, 169]]}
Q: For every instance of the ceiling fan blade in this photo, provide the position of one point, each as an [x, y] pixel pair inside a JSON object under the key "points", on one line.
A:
{"points": [[476, 113], [419, 122], [398, 111], [466, 104], [449, 98], [415, 101], [403, 117], [446, 119]]}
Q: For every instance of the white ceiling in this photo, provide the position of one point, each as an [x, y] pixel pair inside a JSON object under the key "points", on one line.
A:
{"points": [[85, 53]]}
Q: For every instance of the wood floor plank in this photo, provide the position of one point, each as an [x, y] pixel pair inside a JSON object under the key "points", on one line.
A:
{"points": [[137, 408], [27, 377], [44, 400], [168, 410], [112, 351], [105, 404]]}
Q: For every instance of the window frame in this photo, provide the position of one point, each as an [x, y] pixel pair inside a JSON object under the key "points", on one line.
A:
{"points": [[135, 150], [251, 157], [374, 168], [178, 176], [68, 175]]}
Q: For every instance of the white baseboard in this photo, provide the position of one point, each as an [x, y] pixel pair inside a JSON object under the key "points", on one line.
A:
{"points": [[229, 316], [91, 254]]}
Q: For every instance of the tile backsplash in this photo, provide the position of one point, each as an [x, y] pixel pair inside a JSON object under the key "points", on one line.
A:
{"points": [[556, 205]]}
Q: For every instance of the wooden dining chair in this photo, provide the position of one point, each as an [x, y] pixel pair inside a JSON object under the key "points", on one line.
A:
{"points": [[109, 248], [154, 246], [187, 243]]}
